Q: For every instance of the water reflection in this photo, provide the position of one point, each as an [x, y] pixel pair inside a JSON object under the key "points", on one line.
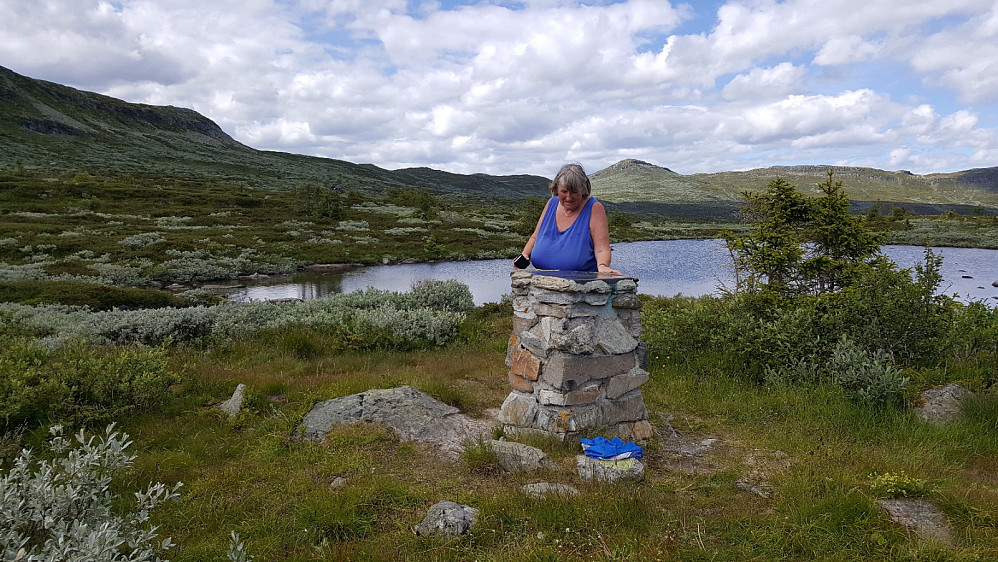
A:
{"points": [[665, 268]]}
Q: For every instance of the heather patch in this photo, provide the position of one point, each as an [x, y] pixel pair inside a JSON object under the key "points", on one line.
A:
{"points": [[406, 231], [142, 240], [384, 209], [353, 226]]}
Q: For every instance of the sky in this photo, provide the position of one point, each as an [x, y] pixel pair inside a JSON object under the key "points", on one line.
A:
{"points": [[522, 87]]}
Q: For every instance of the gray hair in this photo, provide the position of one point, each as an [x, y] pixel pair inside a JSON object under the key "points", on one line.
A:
{"points": [[574, 178]]}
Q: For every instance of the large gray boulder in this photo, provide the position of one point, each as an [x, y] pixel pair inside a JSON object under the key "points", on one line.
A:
{"points": [[410, 414], [447, 519], [942, 405]]}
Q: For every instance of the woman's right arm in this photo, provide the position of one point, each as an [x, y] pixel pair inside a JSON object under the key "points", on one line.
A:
{"points": [[528, 248]]}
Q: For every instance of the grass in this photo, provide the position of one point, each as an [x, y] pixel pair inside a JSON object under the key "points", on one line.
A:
{"points": [[357, 494], [93, 295], [973, 231]]}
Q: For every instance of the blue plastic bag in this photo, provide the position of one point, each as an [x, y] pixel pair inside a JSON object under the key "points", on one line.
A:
{"points": [[610, 449]]}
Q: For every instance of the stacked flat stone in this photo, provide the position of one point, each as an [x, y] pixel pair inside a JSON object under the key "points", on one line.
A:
{"points": [[575, 360]]}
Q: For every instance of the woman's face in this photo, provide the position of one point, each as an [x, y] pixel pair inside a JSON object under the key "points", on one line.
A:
{"points": [[570, 200]]}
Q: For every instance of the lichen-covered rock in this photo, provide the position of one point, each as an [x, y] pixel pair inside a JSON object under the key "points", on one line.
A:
{"points": [[410, 414], [624, 470], [920, 516], [942, 405], [545, 489], [515, 457], [763, 466]]}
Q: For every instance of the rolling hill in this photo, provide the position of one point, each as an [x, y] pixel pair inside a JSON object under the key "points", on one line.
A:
{"points": [[633, 183]]}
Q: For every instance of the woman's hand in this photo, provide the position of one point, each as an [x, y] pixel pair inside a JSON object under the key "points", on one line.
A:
{"points": [[605, 268]]}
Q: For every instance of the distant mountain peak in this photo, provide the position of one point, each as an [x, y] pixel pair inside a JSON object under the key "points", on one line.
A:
{"points": [[632, 164]]}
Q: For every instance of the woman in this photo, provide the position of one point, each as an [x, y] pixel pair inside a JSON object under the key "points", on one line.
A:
{"points": [[572, 232]]}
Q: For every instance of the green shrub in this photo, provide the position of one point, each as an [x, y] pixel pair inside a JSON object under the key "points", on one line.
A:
{"points": [[782, 345], [973, 334], [142, 240], [450, 295], [771, 338], [798, 244], [431, 315], [893, 309], [685, 328], [79, 383], [92, 295]]}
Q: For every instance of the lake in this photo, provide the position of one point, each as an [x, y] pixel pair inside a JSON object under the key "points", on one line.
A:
{"points": [[663, 268]]}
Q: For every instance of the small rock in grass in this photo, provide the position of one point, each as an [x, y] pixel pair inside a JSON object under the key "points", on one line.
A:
{"points": [[545, 489], [513, 456], [448, 519], [235, 403], [624, 470], [919, 516]]}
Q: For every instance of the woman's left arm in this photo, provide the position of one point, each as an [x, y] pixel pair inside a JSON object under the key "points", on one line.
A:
{"points": [[599, 229]]}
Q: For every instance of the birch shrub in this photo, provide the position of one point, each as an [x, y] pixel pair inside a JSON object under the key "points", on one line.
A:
{"points": [[63, 509], [78, 384]]}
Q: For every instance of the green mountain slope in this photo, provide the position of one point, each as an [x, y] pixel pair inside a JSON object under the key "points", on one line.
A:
{"points": [[50, 127]]}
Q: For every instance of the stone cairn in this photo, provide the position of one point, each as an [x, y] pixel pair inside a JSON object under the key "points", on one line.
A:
{"points": [[575, 362]]}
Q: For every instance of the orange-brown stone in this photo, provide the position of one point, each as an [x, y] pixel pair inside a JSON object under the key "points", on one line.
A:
{"points": [[524, 364], [521, 384]]}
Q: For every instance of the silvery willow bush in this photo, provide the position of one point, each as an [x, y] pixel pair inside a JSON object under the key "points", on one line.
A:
{"points": [[867, 378], [429, 315], [61, 509]]}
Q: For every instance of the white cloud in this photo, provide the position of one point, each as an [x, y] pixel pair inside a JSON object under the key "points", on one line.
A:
{"points": [[900, 156], [764, 83], [520, 87], [919, 120], [843, 50]]}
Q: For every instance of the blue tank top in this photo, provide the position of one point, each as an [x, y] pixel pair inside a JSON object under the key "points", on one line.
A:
{"points": [[571, 250]]}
